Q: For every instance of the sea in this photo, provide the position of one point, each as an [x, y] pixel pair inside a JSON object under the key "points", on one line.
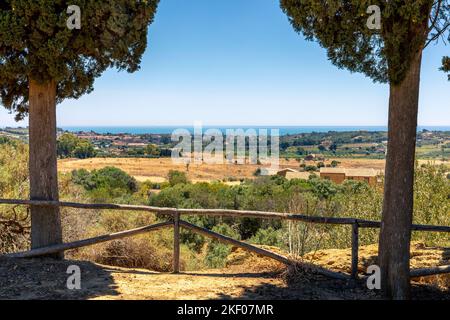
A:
{"points": [[284, 130]]}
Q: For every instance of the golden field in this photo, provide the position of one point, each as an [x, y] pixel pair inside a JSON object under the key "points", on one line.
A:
{"points": [[157, 170]]}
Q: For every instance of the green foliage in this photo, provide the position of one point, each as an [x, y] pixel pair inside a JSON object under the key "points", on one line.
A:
{"points": [[177, 177], [268, 237], [341, 28], [152, 150], [431, 201], [35, 43], [69, 145], [84, 149], [324, 189], [311, 168], [6, 140], [218, 252], [105, 183]]}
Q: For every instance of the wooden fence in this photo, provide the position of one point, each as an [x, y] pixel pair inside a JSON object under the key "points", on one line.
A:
{"points": [[178, 223]]}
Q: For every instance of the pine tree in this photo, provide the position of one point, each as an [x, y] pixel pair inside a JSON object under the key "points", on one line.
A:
{"points": [[391, 54], [45, 58]]}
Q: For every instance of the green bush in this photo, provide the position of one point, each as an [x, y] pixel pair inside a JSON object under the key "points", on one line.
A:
{"points": [[177, 177], [268, 237], [311, 168], [105, 183], [218, 252], [69, 145]]}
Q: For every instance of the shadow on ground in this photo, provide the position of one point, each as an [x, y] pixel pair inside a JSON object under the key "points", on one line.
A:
{"points": [[37, 279], [46, 279], [317, 287]]}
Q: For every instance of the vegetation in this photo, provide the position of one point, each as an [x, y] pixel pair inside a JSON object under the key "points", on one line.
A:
{"points": [[44, 62], [107, 183], [153, 251], [70, 146], [388, 53]]}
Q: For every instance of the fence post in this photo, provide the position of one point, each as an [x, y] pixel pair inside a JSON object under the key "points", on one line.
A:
{"points": [[355, 247], [176, 243]]}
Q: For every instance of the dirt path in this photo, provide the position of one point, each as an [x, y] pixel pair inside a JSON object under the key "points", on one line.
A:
{"points": [[46, 279]]}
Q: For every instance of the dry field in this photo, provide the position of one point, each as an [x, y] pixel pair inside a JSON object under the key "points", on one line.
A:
{"points": [[156, 170]]}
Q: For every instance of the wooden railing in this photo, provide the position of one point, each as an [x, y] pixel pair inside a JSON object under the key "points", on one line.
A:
{"points": [[177, 223]]}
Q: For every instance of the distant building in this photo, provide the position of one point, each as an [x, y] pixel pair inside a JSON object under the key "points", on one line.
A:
{"points": [[339, 175], [298, 175]]}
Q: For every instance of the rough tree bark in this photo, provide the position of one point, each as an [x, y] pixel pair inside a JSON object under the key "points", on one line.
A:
{"points": [[395, 236], [45, 221]]}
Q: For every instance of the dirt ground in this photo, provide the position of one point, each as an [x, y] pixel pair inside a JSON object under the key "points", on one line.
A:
{"points": [[246, 276]]}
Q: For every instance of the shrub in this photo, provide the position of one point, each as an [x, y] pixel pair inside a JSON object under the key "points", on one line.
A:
{"points": [[268, 236], [133, 253], [324, 189], [107, 179], [335, 163], [311, 168], [218, 252], [177, 177]]}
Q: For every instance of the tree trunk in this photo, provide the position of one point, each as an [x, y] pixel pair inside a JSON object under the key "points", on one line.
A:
{"points": [[45, 221], [395, 236]]}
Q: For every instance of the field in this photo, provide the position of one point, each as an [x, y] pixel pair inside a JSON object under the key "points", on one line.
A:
{"points": [[156, 170]]}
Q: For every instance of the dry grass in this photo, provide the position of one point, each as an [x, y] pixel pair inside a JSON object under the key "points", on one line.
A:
{"points": [[136, 252], [421, 257], [156, 170]]}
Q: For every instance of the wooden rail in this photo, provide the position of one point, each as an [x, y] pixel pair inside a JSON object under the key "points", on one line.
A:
{"points": [[87, 242], [178, 222], [362, 223]]}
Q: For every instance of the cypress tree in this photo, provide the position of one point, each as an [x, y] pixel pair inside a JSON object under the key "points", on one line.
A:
{"points": [[45, 58]]}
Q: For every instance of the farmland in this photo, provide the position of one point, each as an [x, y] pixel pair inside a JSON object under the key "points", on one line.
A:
{"points": [[156, 170]]}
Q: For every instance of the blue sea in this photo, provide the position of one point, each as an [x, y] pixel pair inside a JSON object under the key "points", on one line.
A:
{"points": [[284, 130]]}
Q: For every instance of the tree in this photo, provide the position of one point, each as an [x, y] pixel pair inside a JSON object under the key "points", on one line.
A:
{"points": [[84, 149], [69, 145], [177, 177], [108, 179], [152, 150], [66, 144], [44, 62], [389, 54]]}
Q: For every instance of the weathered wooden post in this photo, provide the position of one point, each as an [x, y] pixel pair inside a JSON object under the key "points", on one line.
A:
{"points": [[355, 247], [176, 243]]}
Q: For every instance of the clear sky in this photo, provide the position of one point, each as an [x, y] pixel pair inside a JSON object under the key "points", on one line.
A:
{"points": [[239, 62]]}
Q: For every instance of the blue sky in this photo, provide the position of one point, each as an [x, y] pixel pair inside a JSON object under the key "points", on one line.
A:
{"points": [[239, 62]]}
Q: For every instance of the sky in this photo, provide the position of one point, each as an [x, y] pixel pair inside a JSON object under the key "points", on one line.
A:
{"points": [[239, 62]]}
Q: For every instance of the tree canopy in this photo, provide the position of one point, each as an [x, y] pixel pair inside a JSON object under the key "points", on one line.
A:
{"points": [[340, 26], [35, 43], [69, 145]]}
